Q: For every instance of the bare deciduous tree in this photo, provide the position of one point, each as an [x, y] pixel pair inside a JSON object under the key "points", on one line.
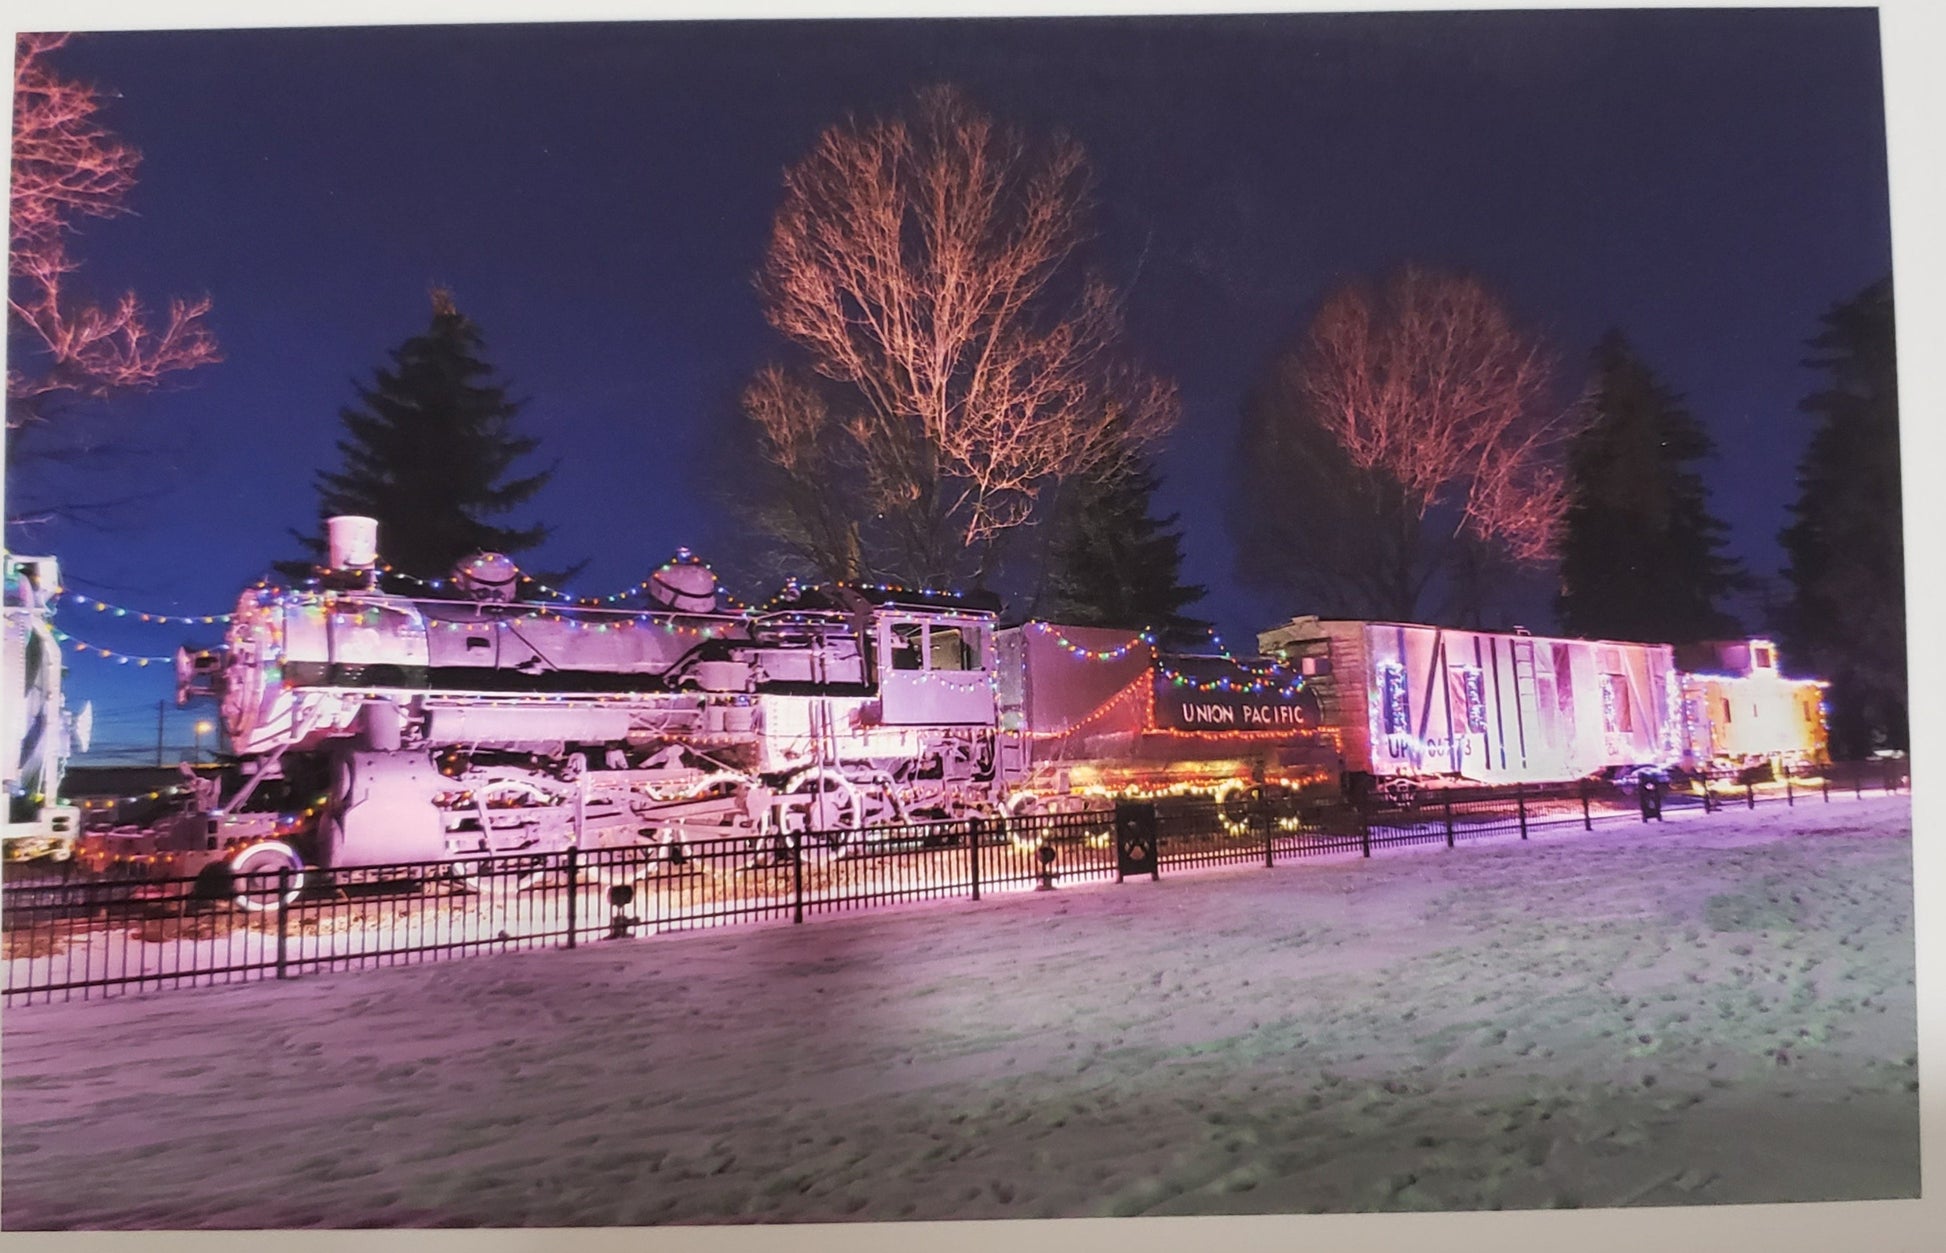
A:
{"points": [[66, 165], [925, 262], [808, 452], [1437, 408]]}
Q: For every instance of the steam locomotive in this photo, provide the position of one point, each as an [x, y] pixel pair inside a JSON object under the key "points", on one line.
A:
{"points": [[462, 722]]}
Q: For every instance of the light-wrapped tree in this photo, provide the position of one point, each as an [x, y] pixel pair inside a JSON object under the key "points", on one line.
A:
{"points": [[67, 166], [1409, 435], [927, 263]]}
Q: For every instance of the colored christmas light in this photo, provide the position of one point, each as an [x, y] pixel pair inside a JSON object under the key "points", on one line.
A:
{"points": [[1093, 654], [104, 607], [84, 648]]}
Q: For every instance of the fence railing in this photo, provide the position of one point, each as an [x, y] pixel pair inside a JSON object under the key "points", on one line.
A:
{"points": [[101, 936]]}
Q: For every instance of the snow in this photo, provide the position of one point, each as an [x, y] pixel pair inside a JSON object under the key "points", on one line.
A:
{"points": [[1712, 1010]]}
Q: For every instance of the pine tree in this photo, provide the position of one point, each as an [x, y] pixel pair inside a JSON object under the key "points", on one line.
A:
{"points": [[1846, 618], [1641, 555], [1113, 565], [426, 451]]}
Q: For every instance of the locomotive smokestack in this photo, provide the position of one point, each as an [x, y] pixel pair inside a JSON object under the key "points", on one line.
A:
{"points": [[353, 542]]}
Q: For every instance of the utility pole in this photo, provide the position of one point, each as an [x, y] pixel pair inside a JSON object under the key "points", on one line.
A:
{"points": [[158, 732]]}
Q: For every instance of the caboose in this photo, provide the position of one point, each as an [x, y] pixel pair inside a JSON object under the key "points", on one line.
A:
{"points": [[1738, 709]]}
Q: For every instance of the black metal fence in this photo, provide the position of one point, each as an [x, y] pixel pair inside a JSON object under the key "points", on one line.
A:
{"points": [[67, 939]]}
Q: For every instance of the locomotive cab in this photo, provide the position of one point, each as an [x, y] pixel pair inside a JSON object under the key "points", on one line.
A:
{"points": [[934, 670]]}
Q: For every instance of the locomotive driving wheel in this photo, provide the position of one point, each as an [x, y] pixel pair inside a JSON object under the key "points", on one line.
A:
{"points": [[821, 813], [255, 875]]}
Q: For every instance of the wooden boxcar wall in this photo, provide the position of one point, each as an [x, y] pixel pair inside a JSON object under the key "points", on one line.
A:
{"points": [[1489, 706]]}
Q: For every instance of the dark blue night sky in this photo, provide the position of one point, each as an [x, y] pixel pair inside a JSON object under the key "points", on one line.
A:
{"points": [[598, 198]]}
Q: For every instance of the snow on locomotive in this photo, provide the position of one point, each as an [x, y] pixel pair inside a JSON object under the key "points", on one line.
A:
{"points": [[481, 725]]}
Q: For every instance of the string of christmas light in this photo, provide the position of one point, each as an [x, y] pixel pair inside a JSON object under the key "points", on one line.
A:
{"points": [[1093, 654], [897, 589], [373, 615], [118, 611], [109, 802], [83, 647], [1226, 736], [1254, 687]]}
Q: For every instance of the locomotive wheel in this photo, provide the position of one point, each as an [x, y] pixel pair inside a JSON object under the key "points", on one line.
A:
{"points": [[253, 875], [821, 813]]}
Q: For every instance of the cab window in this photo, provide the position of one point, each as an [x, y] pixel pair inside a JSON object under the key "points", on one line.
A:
{"points": [[951, 650], [908, 646]]}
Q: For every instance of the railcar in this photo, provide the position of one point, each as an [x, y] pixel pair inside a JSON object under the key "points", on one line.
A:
{"points": [[1093, 713], [38, 732], [1738, 709], [1414, 702]]}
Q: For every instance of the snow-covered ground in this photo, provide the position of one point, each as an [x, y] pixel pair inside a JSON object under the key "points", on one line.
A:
{"points": [[1717, 1009]]}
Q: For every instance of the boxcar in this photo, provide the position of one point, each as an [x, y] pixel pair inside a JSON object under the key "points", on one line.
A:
{"points": [[1416, 701]]}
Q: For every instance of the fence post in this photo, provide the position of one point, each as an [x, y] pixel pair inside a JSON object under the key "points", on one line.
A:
{"points": [[1858, 780], [1824, 777], [283, 916], [974, 830], [1447, 805], [574, 889], [1706, 793], [1365, 828], [1790, 801], [1750, 793], [1889, 776], [1520, 804], [797, 876], [1587, 820], [1261, 808]]}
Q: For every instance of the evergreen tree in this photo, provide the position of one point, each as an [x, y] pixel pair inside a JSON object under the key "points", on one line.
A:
{"points": [[1641, 555], [1112, 565], [1846, 618], [426, 451]]}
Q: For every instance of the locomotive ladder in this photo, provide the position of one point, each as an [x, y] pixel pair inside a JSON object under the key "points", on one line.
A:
{"points": [[1526, 689]]}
